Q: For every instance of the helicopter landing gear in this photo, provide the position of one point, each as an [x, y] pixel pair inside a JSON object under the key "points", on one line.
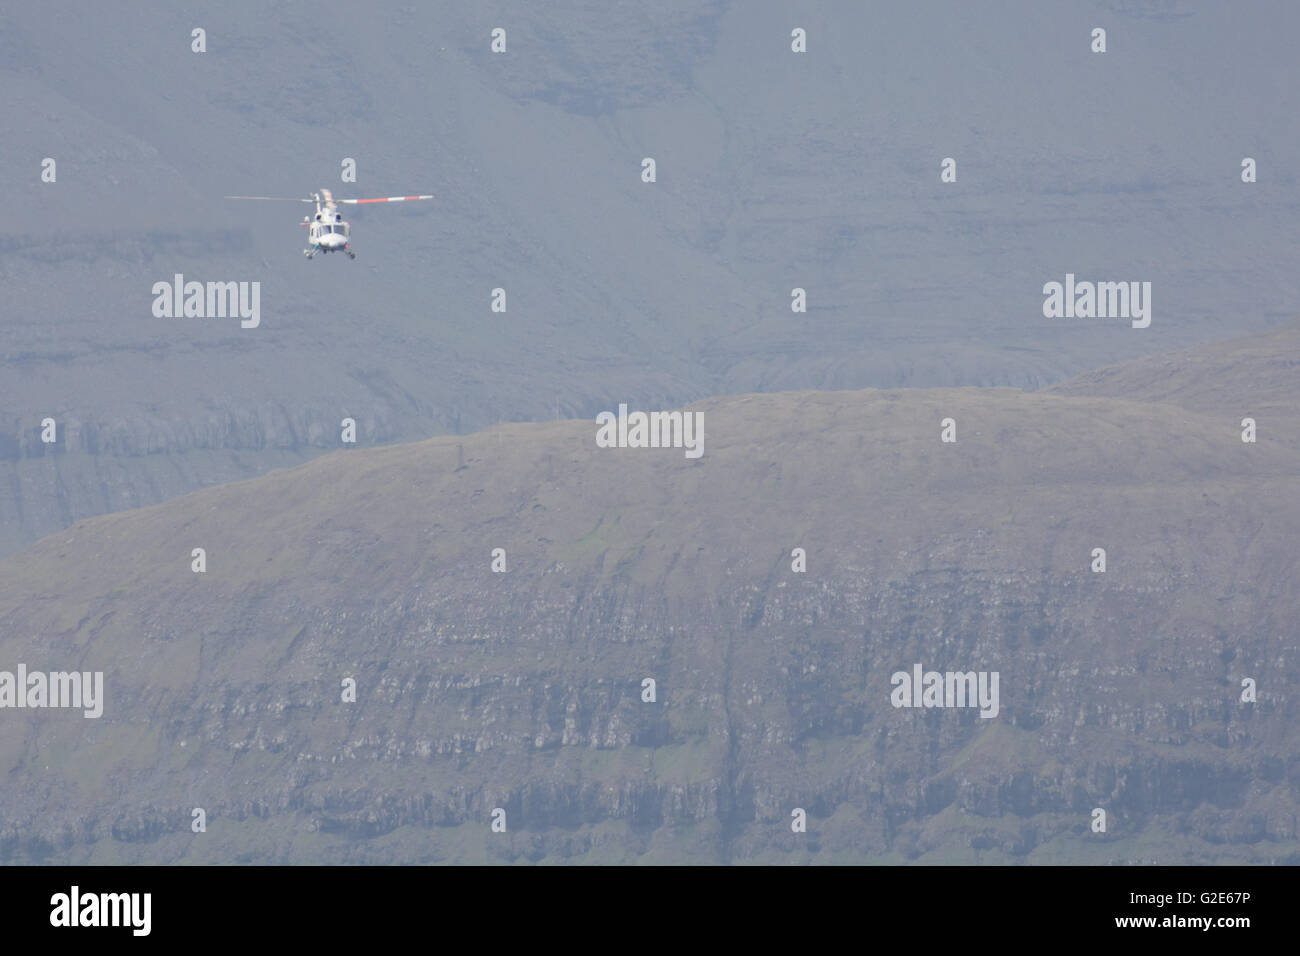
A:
{"points": [[351, 254], [309, 253]]}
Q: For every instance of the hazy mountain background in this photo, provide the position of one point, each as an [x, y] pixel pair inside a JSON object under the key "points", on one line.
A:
{"points": [[522, 690], [775, 170]]}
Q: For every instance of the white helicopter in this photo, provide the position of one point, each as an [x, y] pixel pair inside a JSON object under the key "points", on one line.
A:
{"points": [[328, 232]]}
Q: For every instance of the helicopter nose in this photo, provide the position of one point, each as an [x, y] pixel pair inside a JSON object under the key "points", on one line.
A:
{"points": [[333, 241]]}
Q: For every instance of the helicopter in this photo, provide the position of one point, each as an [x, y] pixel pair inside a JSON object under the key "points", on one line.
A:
{"points": [[327, 232]]}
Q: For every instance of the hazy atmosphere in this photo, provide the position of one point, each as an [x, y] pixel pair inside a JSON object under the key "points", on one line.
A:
{"points": [[858, 433]]}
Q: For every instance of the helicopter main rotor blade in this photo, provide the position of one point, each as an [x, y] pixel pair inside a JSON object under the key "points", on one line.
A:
{"points": [[388, 199], [271, 198]]}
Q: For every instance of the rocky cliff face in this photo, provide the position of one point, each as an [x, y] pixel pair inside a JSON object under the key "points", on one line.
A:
{"points": [[523, 689]]}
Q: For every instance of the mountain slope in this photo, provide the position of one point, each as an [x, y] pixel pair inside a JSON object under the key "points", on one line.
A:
{"points": [[522, 690], [1252, 373]]}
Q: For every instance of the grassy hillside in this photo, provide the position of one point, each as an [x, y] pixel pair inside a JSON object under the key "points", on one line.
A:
{"points": [[522, 689]]}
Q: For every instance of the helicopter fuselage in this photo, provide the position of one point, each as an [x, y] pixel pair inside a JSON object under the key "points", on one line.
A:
{"points": [[328, 237], [327, 232]]}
